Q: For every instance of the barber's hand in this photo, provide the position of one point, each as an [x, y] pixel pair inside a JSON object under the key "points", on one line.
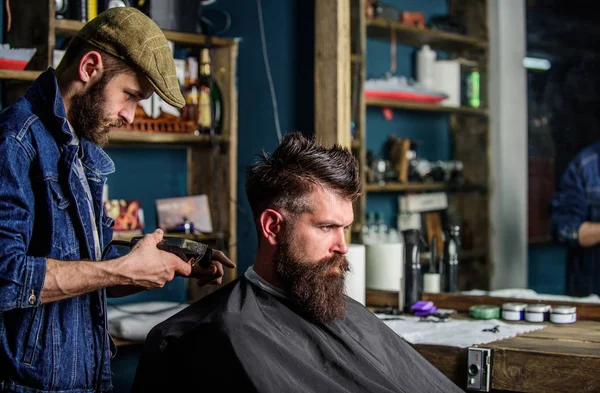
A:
{"points": [[214, 273], [147, 266]]}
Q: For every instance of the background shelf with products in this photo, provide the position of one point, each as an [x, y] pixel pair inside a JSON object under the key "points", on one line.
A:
{"points": [[379, 45], [152, 165]]}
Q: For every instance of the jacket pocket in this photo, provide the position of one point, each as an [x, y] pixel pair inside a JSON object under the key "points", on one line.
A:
{"points": [[63, 232], [32, 337]]}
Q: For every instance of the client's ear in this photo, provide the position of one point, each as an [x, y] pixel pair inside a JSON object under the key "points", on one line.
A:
{"points": [[270, 225]]}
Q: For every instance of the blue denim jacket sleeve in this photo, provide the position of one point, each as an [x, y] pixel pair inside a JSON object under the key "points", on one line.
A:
{"points": [[569, 206], [21, 276]]}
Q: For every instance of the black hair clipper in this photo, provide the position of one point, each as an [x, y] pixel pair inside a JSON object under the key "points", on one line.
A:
{"points": [[188, 250]]}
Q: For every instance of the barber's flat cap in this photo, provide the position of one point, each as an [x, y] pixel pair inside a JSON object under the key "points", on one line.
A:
{"points": [[127, 33]]}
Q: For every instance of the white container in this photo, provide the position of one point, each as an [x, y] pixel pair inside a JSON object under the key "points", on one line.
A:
{"points": [[513, 311], [355, 279], [563, 314], [447, 80], [426, 67], [537, 313], [385, 266], [431, 283]]}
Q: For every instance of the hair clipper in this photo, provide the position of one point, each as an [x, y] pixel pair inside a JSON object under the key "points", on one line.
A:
{"points": [[188, 250]]}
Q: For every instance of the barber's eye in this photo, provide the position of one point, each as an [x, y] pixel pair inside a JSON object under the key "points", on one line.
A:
{"points": [[326, 228], [128, 96]]}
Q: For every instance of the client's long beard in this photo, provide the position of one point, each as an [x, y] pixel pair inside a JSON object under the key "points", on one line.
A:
{"points": [[318, 292]]}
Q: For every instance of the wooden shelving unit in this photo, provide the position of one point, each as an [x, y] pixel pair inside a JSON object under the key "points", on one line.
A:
{"points": [[417, 106], [421, 187], [409, 35], [28, 76], [118, 137], [68, 28], [211, 161], [468, 127]]}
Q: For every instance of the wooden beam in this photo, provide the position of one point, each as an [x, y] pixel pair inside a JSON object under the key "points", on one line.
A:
{"points": [[332, 72]]}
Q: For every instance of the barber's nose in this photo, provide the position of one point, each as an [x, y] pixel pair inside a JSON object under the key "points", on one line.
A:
{"points": [[128, 113]]}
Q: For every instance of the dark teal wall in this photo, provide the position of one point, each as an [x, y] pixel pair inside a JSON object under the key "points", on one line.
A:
{"points": [[148, 174], [289, 37], [547, 269]]}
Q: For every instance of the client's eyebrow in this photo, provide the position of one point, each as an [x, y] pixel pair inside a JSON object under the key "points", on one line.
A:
{"points": [[331, 223]]}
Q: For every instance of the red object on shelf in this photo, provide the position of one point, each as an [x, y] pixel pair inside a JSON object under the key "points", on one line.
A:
{"points": [[404, 96], [8, 64]]}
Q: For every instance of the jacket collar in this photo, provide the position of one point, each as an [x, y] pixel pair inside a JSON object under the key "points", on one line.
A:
{"points": [[46, 100]]}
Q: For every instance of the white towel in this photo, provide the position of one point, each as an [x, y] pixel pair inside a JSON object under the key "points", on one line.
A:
{"points": [[454, 333], [134, 321]]}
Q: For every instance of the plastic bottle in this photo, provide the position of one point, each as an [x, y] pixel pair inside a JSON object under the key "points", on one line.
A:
{"points": [[426, 67], [382, 228]]}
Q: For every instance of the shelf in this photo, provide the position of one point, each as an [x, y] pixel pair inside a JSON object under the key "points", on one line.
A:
{"points": [[19, 75], [203, 237], [405, 34], [139, 137], [67, 27], [417, 106], [403, 187]]}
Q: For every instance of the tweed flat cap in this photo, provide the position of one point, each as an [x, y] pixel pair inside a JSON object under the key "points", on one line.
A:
{"points": [[127, 33]]}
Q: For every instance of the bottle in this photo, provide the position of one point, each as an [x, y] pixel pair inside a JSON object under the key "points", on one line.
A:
{"points": [[373, 228], [473, 89], [382, 228], [412, 268], [190, 91], [451, 245], [210, 110], [426, 67]]}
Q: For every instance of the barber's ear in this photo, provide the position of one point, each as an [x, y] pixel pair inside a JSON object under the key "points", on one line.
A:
{"points": [[90, 66], [271, 222]]}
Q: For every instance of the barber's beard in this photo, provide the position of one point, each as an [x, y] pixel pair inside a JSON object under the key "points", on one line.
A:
{"points": [[88, 116], [317, 290]]}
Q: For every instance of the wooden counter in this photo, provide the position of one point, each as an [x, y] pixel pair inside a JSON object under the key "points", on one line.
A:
{"points": [[558, 358]]}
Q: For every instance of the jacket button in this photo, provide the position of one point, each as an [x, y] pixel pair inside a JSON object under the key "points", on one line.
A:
{"points": [[32, 298]]}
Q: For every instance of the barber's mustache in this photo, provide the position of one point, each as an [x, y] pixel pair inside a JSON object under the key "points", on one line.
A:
{"points": [[117, 123]]}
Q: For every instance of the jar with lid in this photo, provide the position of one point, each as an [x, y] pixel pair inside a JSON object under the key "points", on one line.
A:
{"points": [[513, 311], [563, 314], [537, 313]]}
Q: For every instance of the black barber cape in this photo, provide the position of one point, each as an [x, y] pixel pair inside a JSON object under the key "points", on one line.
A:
{"points": [[243, 338]]}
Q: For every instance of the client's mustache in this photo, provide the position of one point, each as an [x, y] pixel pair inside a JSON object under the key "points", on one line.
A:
{"points": [[338, 260]]}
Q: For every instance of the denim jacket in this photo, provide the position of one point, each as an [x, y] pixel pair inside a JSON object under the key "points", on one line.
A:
{"points": [[577, 200], [64, 345]]}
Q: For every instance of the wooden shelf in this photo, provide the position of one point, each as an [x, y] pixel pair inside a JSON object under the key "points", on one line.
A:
{"points": [[203, 237], [28, 76], [418, 106], [403, 187], [66, 27], [409, 35], [117, 137]]}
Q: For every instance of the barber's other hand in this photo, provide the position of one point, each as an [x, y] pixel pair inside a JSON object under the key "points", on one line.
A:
{"points": [[147, 266], [214, 273]]}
